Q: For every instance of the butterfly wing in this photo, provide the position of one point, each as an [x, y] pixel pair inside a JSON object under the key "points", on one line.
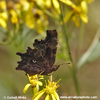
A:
{"points": [[48, 47], [32, 61], [42, 58]]}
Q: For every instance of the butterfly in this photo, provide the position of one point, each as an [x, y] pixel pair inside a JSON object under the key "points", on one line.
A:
{"points": [[41, 59]]}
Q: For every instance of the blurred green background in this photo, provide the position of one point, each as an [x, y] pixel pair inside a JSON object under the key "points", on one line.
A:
{"points": [[12, 82]]}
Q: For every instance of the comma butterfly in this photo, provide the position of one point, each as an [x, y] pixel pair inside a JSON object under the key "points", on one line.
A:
{"points": [[40, 60]]}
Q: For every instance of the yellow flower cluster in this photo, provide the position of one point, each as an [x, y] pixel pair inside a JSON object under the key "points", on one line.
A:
{"points": [[33, 12], [78, 10], [6, 10], [32, 15], [49, 90], [22, 11], [3, 14]]}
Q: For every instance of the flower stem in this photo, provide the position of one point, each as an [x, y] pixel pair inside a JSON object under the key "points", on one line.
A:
{"points": [[70, 57]]}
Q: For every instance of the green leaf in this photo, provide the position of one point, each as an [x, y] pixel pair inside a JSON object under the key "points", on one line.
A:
{"points": [[92, 53]]}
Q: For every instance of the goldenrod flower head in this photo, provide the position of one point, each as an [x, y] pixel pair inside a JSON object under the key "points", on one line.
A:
{"points": [[34, 82], [49, 90]]}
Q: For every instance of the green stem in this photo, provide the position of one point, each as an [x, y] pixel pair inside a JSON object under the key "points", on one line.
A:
{"points": [[27, 34], [4, 43], [7, 34], [70, 57]]}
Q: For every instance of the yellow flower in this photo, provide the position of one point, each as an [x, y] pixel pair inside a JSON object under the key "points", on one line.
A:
{"points": [[49, 90], [25, 4], [11, 9], [78, 11], [3, 19], [43, 3], [34, 82], [2, 5], [14, 17], [56, 5], [3, 14]]}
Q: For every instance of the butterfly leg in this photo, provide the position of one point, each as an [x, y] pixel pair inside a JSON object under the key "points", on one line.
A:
{"points": [[40, 73], [49, 74]]}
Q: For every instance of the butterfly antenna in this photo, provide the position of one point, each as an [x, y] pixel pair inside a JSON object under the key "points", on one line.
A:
{"points": [[59, 61], [56, 78], [64, 63]]}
